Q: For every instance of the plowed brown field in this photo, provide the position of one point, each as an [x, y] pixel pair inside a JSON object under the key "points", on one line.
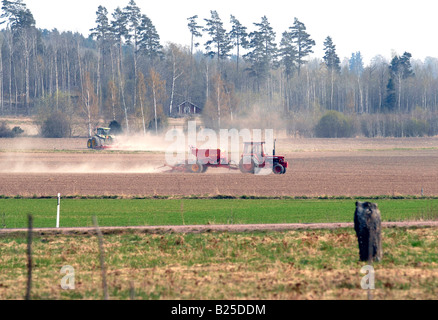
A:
{"points": [[344, 167]]}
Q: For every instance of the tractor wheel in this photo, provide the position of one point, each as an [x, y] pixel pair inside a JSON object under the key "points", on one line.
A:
{"points": [[89, 144], [95, 143], [204, 169], [278, 169]]}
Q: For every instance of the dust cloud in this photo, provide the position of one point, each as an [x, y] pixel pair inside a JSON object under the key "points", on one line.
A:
{"points": [[143, 143], [22, 166]]}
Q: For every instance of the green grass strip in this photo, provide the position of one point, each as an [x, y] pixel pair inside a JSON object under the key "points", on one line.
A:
{"points": [[156, 212]]}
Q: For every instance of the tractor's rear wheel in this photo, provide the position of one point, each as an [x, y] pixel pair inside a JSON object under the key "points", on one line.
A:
{"points": [[94, 143], [247, 165]]}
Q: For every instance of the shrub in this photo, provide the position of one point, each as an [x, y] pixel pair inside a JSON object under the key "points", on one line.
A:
{"points": [[115, 127], [334, 125], [56, 125], [5, 132], [416, 128], [17, 131]]}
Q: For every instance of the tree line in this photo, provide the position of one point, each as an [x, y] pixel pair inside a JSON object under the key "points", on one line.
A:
{"points": [[238, 77]]}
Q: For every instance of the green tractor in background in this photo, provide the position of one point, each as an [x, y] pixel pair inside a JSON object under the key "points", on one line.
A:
{"points": [[102, 139]]}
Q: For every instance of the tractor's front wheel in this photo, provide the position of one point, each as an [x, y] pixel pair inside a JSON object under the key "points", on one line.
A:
{"points": [[89, 146], [278, 169]]}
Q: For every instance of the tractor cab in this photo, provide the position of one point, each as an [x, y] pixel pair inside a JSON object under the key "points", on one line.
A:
{"points": [[254, 149], [254, 158], [104, 132]]}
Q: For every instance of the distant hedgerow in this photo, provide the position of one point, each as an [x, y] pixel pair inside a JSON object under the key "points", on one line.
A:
{"points": [[334, 125], [56, 126]]}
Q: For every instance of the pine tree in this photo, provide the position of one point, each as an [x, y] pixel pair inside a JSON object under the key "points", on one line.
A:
{"points": [[391, 98], [263, 50], [150, 40], [120, 32], [401, 66], [331, 59], [288, 54], [356, 63], [133, 17], [219, 44], [102, 31], [288, 59], [332, 62], [302, 41], [12, 13], [194, 31], [238, 36], [400, 69], [102, 34]]}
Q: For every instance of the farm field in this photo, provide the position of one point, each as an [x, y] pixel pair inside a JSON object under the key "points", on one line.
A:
{"points": [[139, 143], [291, 265], [339, 167], [125, 188]]}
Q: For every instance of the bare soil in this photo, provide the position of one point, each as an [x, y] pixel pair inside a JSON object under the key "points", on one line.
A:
{"points": [[284, 145], [325, 173], [318, 167]]}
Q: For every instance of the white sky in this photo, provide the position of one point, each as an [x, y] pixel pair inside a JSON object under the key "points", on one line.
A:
{"points": [[370, 26]]}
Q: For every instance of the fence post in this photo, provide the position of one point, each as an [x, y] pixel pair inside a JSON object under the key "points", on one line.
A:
{"points": [[102, 259], [29, 256], [58, 210]]}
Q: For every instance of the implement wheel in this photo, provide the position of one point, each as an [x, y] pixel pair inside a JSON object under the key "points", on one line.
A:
{"points": [[196, 168]]}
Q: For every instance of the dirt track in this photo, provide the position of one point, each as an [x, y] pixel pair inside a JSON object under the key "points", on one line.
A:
{"points": [[218, 228]]}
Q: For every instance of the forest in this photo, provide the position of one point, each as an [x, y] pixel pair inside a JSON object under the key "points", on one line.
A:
{"points": [[239, 78]]}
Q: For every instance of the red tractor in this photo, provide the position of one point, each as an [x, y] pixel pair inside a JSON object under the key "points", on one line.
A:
{"points": [[254, 159]]}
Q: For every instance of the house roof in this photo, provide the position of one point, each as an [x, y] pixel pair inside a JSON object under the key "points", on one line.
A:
{"points": [[189, 103]]}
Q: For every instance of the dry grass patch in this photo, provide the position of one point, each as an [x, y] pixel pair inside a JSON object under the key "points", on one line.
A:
{"points": [[288, 265]]}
